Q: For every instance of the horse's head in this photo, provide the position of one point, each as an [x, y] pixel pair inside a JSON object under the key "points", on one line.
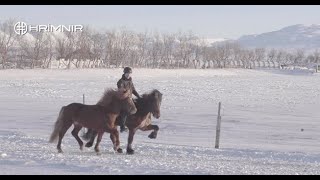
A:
{"points": [[118, 100], [126, 102], [156, 99]]}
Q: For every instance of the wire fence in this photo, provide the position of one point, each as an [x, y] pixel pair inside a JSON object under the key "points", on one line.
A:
{"points": [[241, 126]]}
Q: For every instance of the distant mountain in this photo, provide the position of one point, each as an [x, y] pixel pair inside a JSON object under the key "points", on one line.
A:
{"points": [[291, 37]]}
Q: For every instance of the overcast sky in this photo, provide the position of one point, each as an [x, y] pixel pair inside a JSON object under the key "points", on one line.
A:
{"points": [[210, 21]]}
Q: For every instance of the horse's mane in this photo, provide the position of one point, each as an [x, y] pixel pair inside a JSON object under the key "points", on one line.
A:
{"points": [[145, 97], [107, 97], [151, 93]]}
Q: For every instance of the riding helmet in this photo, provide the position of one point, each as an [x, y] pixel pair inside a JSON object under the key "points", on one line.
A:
{"points": [[127, 70]]}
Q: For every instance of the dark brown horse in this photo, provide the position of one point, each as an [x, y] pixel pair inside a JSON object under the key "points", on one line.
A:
{"points": [[147, 105], [100, 117]]}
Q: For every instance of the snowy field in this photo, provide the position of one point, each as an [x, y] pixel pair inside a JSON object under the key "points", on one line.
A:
{"points": [[270, 122]]}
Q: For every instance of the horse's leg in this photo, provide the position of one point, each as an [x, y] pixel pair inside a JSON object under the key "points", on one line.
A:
{"points": [[130, 140], [75, 132], [114, 136], [93, 136], [96, 148], [154, 133], [61, 134]]}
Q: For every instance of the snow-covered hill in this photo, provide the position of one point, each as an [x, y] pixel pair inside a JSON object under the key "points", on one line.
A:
{"points": [[295, 36]]}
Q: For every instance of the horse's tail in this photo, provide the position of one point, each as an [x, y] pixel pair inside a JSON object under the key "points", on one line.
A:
{"points": [[57, 127]]}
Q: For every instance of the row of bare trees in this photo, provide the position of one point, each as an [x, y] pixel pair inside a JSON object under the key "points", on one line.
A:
{"points": [[122, 47]]}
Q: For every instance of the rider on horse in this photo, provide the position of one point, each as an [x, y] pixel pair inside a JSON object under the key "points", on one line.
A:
{"points": [[126, 82]]}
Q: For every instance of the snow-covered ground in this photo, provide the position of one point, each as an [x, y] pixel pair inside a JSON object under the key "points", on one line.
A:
{"points": [[270, 122]]}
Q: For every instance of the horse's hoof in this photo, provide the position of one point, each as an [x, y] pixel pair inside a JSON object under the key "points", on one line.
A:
{"points": [[89, 144], [81, 148], [60, 151], [98, 153], [152, 136], [120, 150], [130, 151]]}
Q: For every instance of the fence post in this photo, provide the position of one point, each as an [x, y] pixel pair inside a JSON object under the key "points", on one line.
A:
{"points": [[83, 101], [218, 127]]}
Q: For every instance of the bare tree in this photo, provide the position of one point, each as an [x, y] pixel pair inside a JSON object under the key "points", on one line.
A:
{"points": [[313, 59], [119, 45], [208, 54], [7, 40], [246, 56], [259, 54], [316, 55], [286, 58], [271, 56], [48, 50], [184, 50], [223, 54], [98, 46], [283, 58], [298, 56], [125, 45], [60, 48], [198, 52], [168, 46], [236, 54], [83, 46], [142, 52], [70, 48], [155, 51], [34, 48], [110, 55]]}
